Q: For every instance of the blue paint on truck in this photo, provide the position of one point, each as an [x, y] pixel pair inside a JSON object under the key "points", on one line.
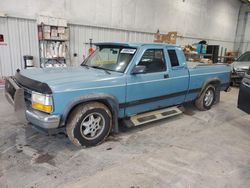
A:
{"points": [[126, 93]]}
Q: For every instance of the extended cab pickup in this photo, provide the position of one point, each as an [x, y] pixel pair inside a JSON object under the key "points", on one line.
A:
{"points": [[116, 82]]}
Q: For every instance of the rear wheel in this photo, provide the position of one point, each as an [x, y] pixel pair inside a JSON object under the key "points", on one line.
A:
{"points": [[206, 100], [89, 124]]}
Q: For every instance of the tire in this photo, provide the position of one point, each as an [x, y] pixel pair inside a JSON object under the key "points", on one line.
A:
{"points": [[203, 102], [89, 124]]}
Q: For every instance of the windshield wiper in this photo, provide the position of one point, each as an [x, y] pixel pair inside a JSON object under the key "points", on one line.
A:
{"points": [[84, 65], [97, 67]]}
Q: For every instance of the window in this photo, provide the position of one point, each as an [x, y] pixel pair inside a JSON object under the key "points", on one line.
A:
{"points": [[110, 58], [173, 58], [244, 57], [153, 60]]}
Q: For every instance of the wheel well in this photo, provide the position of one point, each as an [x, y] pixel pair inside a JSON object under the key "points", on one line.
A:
{"points": [[103, 101], [216, 84]]}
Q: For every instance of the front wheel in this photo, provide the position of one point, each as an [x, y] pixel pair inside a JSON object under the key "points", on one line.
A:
{"points": [[206, 100], [89, 124]]}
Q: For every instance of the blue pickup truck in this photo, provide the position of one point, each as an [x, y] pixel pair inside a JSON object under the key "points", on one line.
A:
{"points": [[116, 84]]}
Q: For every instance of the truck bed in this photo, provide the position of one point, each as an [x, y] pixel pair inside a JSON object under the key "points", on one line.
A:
{"points": [[201, 73], [192, 65]]}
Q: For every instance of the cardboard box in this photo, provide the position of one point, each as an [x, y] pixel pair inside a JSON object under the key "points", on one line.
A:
{"points": [[54, 32], [62, 22], [61, 30], [43, 20], [46, 29], [53, 21], [46, 35], [167, 38]]}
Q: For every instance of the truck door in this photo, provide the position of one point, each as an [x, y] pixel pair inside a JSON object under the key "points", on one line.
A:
{"points": [[244, 94], [159, 86]]}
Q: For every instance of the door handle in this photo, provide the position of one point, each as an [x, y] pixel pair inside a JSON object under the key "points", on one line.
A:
{"points": [[166, 76]]}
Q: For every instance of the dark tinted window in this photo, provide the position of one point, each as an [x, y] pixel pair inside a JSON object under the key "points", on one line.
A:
{"points": [[153, 60], [173, 58], [244, 57]]}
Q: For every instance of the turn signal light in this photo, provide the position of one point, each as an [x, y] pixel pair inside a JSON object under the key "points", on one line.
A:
{"points": [[41, 107]]}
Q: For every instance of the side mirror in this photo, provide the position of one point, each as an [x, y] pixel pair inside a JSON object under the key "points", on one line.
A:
{"points": [[139, 69]]}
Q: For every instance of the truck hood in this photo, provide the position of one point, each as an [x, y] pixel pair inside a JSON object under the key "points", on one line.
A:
{"points": [[73, 77]]}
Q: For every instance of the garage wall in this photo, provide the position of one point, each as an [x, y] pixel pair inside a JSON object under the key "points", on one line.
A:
{"points": [[20, 38], [246, 43], [242, 37], [113, 20], [80, 35], [208, 19]]}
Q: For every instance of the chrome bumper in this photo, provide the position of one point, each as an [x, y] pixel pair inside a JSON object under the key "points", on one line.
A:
{"points": [[43, 120], [15, 95]]}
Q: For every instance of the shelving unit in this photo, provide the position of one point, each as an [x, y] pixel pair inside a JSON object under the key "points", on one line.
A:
{"points": [[53, 45]]}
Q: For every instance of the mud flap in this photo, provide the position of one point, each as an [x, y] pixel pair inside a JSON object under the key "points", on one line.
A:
{"points": [[217, 95]]}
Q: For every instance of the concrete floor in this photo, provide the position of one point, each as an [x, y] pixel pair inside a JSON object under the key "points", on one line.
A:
{"points": [[198, 149]]}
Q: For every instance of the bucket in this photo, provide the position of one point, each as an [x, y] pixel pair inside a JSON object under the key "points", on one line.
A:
{"points": [[28, 61]]}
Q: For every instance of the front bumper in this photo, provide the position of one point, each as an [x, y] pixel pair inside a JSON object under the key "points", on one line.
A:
{"points": [[42, 120], [237, 76], [15, 95]]}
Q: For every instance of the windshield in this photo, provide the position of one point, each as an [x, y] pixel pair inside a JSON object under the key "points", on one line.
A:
{"points": [[244, 57], [110, 58]]}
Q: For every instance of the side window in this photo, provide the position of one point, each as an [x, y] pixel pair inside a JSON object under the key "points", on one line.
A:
{"points": [[173, 58], [154, 60], [245, 57]]}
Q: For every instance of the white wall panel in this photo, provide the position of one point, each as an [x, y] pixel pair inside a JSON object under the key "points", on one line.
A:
{"points": [[20, 37], [242, 36], [5, 56], [80, 35], [246, 43], [198, 18]]}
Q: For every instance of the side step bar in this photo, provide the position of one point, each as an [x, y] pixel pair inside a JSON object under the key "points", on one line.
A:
{"points": [[152, 116]]}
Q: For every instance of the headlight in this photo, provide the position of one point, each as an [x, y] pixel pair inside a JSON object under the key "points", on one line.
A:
{"points": [[42, 102]]}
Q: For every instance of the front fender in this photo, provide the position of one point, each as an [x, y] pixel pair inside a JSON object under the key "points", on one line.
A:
{"points": [[109, 100]]}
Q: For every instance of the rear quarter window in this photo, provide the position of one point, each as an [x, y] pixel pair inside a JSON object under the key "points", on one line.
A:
{"points": [[173, 58]]}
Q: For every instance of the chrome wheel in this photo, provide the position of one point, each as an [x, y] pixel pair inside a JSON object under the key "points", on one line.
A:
{"points": [[209, 97], [92, 126]]}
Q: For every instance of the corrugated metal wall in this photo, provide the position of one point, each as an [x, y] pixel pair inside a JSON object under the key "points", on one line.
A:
{"points": [[20, 38], [246, 44], [80, 35]]}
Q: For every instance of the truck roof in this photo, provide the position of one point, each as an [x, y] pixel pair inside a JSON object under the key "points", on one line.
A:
{"points": [[135, 45]]}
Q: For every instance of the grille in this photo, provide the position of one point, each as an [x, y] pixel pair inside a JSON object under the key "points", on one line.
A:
{"points": [[27, 96]]}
